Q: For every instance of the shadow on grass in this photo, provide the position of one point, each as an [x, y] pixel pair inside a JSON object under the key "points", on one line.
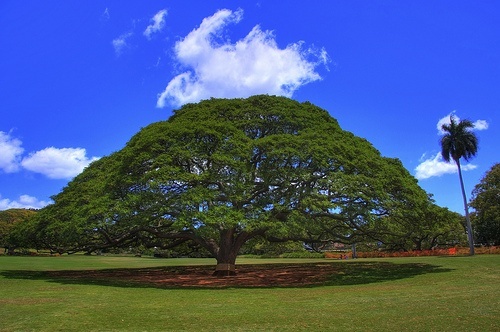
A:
{"points": [[365, 273], [249, 276]]}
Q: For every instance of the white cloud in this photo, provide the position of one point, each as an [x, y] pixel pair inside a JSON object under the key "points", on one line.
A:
{"points": [[445, 120], [120, 43], [478, 125], [436, 166], [252, 65], [158, 23], [105, 15], [58, 163], [481, 125], [23, 202], [10, 153]]}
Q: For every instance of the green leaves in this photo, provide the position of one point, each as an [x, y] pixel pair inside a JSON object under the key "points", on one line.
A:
{"points": [[458, 141], [262, 166], [486, 202]]}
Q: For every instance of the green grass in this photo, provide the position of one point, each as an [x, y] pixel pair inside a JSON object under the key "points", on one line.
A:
{"points": [[391, 294]]}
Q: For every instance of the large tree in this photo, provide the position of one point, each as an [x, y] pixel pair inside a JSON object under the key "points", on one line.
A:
{"points": [[9, 219], [460, 142], [224, 171], [486, 203], [428, 226]]}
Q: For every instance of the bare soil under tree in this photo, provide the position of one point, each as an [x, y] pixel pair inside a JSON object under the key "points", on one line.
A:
{"points": [[282, 275]]}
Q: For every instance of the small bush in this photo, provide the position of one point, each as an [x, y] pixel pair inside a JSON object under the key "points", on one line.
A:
{"points": [[338, 255], [462, 251]]}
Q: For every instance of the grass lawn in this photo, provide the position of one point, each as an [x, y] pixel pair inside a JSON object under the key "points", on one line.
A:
{"points": [[390, 294]]}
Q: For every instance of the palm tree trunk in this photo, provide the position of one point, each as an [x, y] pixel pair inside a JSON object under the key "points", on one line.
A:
{"points": [[470, 236]]}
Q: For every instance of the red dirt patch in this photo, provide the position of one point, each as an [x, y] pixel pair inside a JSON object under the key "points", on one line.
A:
{"points": [[282, 275]]}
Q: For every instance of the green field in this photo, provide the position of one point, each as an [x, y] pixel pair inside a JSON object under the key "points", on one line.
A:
{"points": [[393, 294]]}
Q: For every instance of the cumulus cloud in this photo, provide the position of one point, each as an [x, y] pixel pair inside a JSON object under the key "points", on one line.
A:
{"points": [[478, 125], [158, 22], [10, 153], [481, 125], [436, 166], [58, 163], [252, 65], [23, 202], [120, 43]]}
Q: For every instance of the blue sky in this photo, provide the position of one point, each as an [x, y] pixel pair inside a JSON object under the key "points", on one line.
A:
{"points": [[79, 78]]}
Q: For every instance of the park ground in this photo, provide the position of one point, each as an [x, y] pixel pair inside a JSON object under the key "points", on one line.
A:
{"points": [[106, 293]]}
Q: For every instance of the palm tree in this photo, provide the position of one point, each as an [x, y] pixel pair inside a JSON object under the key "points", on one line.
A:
{"points": [[460, 142]]}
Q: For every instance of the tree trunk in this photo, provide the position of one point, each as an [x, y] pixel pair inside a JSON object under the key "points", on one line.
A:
{"points": [[434, 242], [226, 250], [418, 244], [229, 247], [226, 265], [470, 236]]}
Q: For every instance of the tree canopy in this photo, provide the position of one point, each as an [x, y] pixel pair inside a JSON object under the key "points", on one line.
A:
{"points": [[458, 141], [486, 203], [9, 219], [428, 226], [224, 171]]}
